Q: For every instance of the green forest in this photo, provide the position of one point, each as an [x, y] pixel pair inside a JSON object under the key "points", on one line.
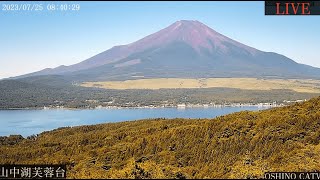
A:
{"points": [[240, 145]]}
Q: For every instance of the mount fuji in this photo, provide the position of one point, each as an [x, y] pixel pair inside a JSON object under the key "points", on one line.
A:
{"points": [[185, 49]]}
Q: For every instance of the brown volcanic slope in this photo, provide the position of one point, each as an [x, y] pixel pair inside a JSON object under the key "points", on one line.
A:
{"points": [[183, 49], [194, 33]]}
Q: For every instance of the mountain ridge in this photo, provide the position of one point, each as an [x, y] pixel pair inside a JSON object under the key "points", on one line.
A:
{"points": [[176, 50]]}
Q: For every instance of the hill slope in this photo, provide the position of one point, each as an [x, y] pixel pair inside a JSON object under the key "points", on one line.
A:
{"points": [[185, 49], [241, 145]]}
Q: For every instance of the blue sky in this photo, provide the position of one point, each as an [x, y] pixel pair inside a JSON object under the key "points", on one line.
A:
{"points": [[31, 41]]}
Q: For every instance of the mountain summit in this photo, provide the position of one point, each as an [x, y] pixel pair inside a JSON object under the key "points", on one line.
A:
{"points": [[194, 33], [187, 49]]}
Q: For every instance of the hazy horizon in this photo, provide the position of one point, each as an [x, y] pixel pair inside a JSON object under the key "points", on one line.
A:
{"points": [[32, 41]]}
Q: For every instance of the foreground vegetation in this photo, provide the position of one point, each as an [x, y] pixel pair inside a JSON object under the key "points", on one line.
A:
{"points": [[240, 145]]}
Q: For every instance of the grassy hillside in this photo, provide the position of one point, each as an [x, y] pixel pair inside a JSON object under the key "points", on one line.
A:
{"points": [[239, 145], [298, 85]]}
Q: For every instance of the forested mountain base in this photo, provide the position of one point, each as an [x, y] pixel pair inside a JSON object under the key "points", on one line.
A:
{"points": [[240, 145], [35, 94]]}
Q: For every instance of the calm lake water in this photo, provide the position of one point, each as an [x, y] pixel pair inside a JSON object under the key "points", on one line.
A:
{"points": [[28, 122]]}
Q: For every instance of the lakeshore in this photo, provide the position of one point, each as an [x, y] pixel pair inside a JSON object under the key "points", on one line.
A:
{"points": [[183, 105], [28, 122], [180, 106]]}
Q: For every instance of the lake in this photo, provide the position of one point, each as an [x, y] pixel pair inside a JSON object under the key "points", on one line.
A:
{"points": [[28, 122]]}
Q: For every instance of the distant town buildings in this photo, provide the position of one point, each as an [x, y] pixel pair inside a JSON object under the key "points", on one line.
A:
{"points": [[166, 104]]}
